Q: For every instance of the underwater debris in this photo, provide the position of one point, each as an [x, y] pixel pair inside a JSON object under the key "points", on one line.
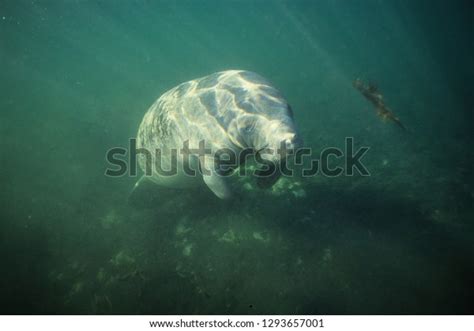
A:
{"points": [[248, 187], [181, 228], [101, 275], [371, 93], [180, 270], [101, 303], [122, 259], [229, 237], [261, 237], [288, 186], [76, 288], [299, 261], [132, 274], [187, 249], [111, 219], [124, 268], [327, 255]]}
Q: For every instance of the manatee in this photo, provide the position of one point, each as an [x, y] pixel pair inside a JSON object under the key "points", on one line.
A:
{"points": [[229, 111]]}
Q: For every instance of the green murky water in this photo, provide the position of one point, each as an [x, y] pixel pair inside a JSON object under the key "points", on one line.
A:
{"points": [[76, 78]]}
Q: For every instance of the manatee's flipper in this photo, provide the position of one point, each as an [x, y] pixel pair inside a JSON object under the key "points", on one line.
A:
{"points": [[268, 176], [216, 182]]}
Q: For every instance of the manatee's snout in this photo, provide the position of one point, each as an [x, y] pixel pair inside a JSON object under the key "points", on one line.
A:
{"points": [[278, 157], [293, 143], [281, 149], [289, 145]]}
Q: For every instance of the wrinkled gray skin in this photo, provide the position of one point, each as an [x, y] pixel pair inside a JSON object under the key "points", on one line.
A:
{"points": [[231, 109]]}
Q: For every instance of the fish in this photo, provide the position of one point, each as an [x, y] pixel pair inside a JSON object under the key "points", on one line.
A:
{"points": [[372, 94]]}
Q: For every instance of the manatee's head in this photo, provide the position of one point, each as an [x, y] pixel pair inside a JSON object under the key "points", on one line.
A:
{"points": [[271, 133]]}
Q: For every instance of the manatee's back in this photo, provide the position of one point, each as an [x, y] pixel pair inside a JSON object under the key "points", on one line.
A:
{"points": [[211, 105], [205, 109]]}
